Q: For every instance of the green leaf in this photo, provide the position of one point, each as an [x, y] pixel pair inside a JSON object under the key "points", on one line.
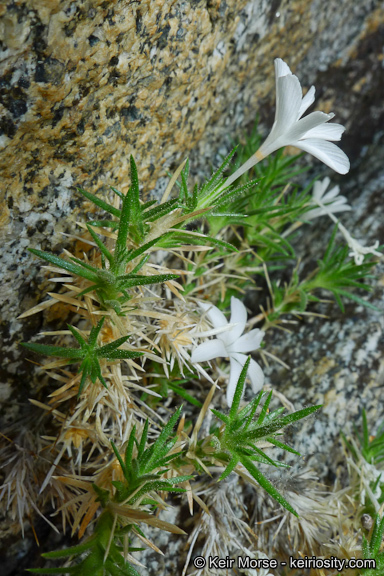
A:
{"points": [[221, 416], [264, 410], [122, 236], [121, 355], [117, 454], [272, 427], [84, 376], [267, 459], [68, 266], [357, 299], [377, 536], [143, 440], [279, 444], [253, 407], [160, 211], [167, 459], [181, 392], [103, 495], [208, 195], [159, 485], [140, 264], [266, 484], [231, 466], [72, 550], [77, 335], [117, 192], [135, 253], [100, 244], [100, 203], [127, 281], [59, 351], [156, 450], [239, 390], [105, 224], [105, 350], [95, 331], [129, 448], [85, 265]]}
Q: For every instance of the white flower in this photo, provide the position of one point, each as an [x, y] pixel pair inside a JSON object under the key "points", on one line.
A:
{"points": [[357, 250], [231, 343], [328, 203], [311, 134]]}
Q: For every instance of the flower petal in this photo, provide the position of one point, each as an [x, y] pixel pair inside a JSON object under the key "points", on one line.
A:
{"points": [[339, 208], [281, 68], [331, 209], [214, 314], [248, 342], [288, 102], [319, 188], [315, 213], [308, 99], [302, 127], [256, 376], [331, 194], [237, 364], [338, 201], [238, 317], [208, 351], [328, 203], [326, 132], [327, 152]]}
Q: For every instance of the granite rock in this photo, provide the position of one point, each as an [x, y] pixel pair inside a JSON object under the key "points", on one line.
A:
{"points": [[85, 84]]}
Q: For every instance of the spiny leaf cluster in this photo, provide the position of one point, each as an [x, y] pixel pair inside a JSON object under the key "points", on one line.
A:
{"points": [[213, 194], [242, 429], [141, 217], [142, 473], [88, 353], [136, 216], [112, 283]]}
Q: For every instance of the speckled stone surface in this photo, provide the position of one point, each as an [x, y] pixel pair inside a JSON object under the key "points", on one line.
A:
{"points": [[83, 84]]}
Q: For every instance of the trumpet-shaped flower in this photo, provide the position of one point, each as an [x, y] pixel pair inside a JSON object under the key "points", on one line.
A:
{"points": [[311, 133], [327, 203], [233, 344], [358, 251]]}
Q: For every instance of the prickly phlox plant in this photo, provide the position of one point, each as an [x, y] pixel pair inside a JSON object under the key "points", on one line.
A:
{"points": [[137, 411]]}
